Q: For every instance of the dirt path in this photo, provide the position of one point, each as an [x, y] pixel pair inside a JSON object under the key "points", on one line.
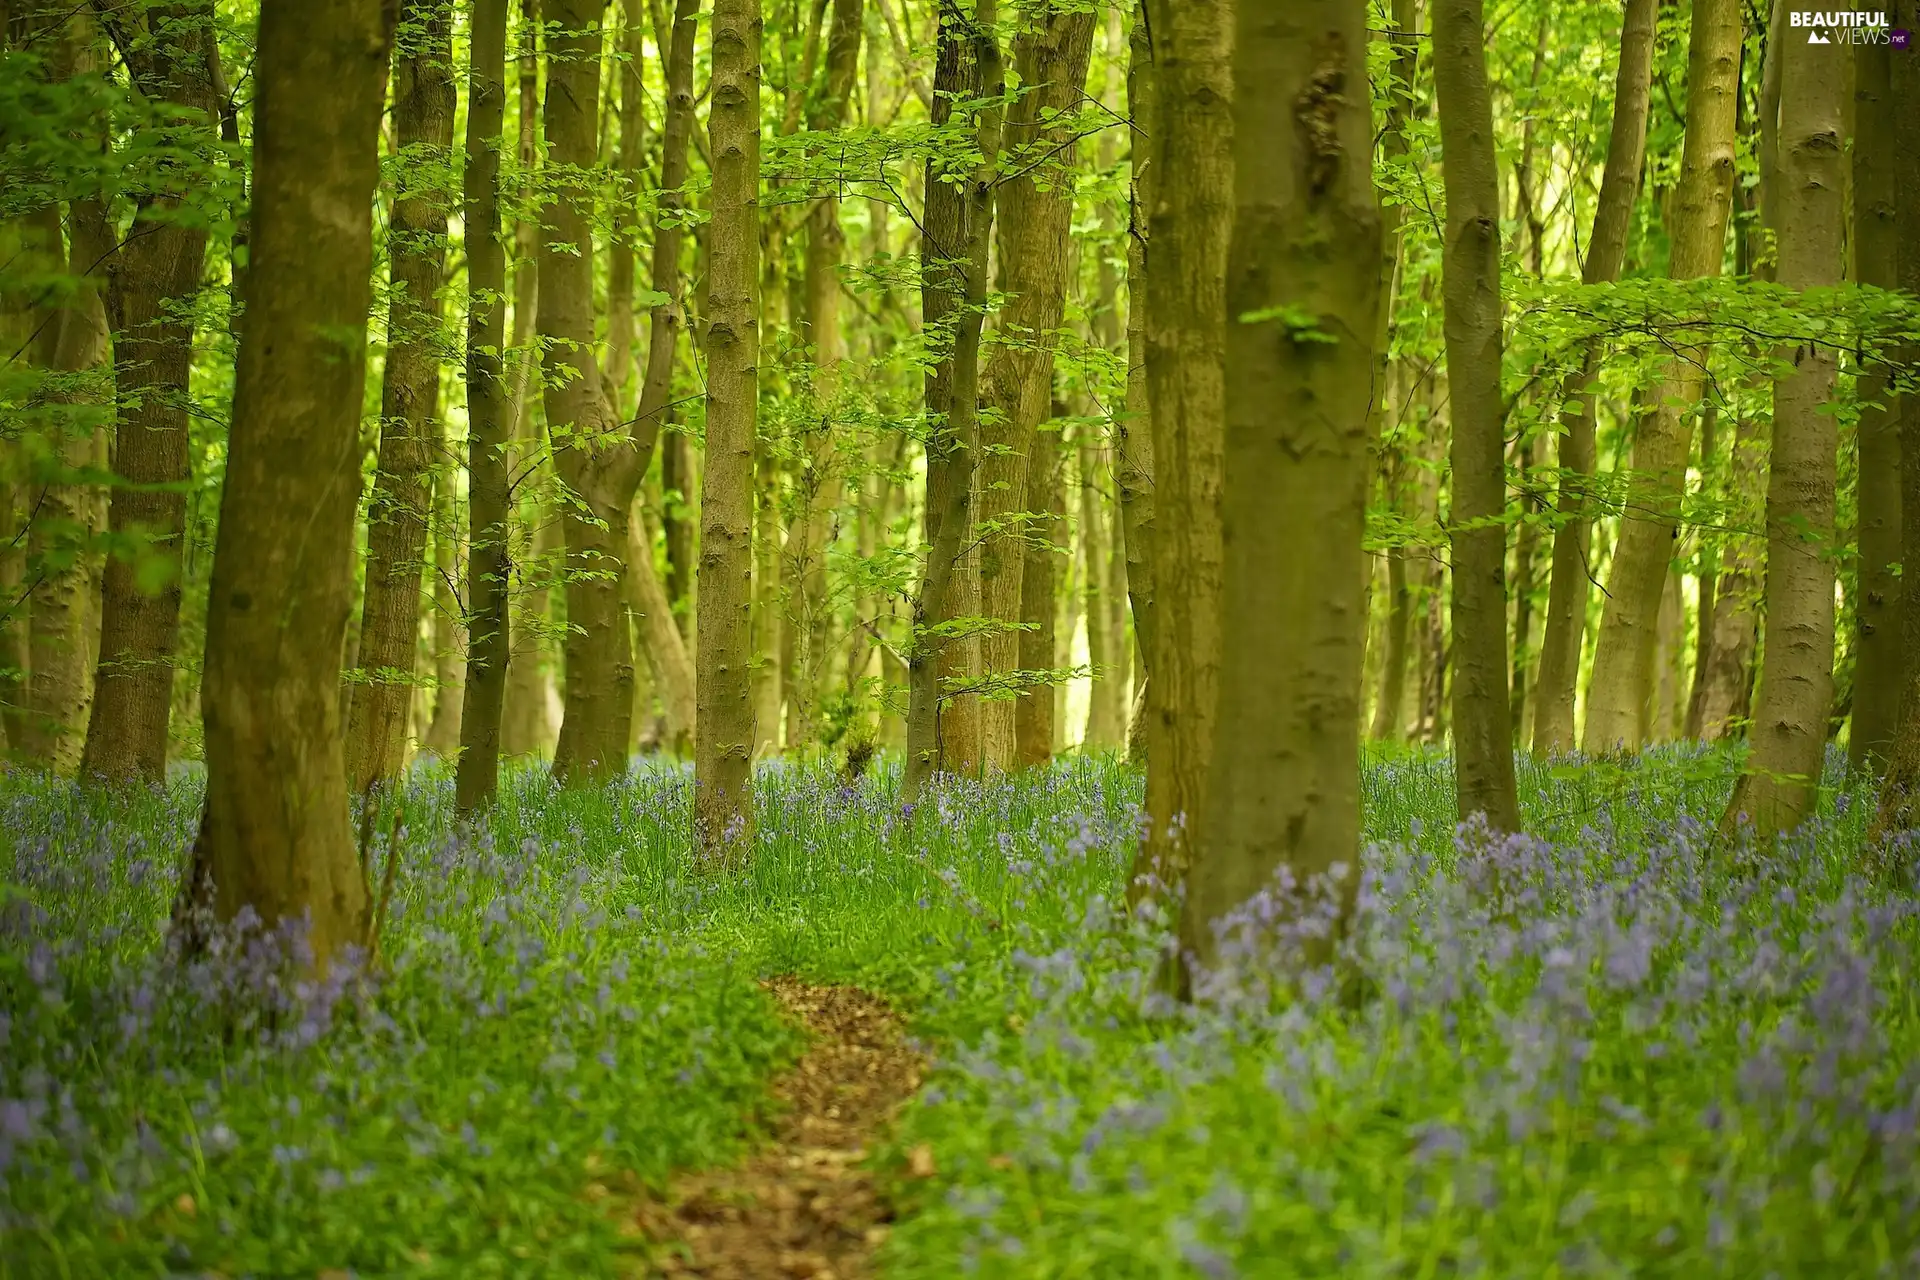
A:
{"points": [[801, 1207]]}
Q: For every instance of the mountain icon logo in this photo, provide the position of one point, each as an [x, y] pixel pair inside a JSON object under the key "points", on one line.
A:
{"points": [[1814, 37]]}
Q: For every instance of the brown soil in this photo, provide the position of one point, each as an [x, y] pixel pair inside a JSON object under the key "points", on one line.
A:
{"points": [[802, 1207]]}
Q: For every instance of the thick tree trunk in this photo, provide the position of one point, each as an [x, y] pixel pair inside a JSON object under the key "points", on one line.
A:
{"points": [[593, 452], [383, 678], [1133, 446], [1559, 675], [151, 281], [1035, 222], [1285, 785], [723, 741], [1781, 785], [489, 426], [1482, 723], [1192, 219], [1623, 676], [958, 230], [275, 834], [1879, 655]]}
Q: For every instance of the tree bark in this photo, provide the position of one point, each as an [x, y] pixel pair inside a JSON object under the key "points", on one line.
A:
{"points": [[1133, 446], [1035, 222], [1035, 717], [958, 232], [1623, 676], [1285, 784], [723, 743], [151, 280], [594, 454], [1879, 656], [1719, 704], [489, 425], [383, 681], [1781, 785], [1192, 220], [1482, 724], [1555, 685], [274, 835], [660, 638], [447, 629], [1901, 788]]}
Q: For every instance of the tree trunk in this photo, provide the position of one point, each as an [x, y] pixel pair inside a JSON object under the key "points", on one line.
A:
{"points": [[275, 834], [1285, 785], [1559, 675], [660, 638], [1879, 656], [1623, 675], [383, 678], [1035, 713], [489, 426], [678, 489], [442, 736], [151, 282], [1901, 790], [1482, 723], [1035, 225], [1720, 694], [1192, 218], [1133, 447], [822, 479], [1106, 569], [593, 453], [1781, 785], [723, 742], [958, 229]]}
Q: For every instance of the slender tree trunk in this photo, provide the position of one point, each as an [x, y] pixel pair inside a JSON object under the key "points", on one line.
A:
{"points": [[1133, 447], [958, 232], [1623, 658], [630, 75], [1035, 715], [442, 736], [1781, 785], [60, 558], [723, 743], [1035, 223], [1482, 723], [275, 834], [660, 638], [1285, 786], [489, 426], [1901, 789], [1560, 643], [1192, 219], [678, 486], [1106, 571], [1720, 696], [769, 620], [151, 282], [409, 404], [1879, 656], [594, 454]]}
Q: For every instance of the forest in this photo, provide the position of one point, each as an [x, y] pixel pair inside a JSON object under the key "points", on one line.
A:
{"points": [[907, 639]]}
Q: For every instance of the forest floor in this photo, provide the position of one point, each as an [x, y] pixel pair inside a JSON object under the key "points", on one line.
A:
{"points": [[1614, 1046], [805, 1205]]}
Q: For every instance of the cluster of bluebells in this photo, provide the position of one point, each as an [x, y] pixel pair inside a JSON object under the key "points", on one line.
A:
{"points": [[1629, 1048], [229, 1111]]}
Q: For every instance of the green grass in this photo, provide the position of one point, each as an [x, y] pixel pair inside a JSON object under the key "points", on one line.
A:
{"points": [[1630, 1051]]}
